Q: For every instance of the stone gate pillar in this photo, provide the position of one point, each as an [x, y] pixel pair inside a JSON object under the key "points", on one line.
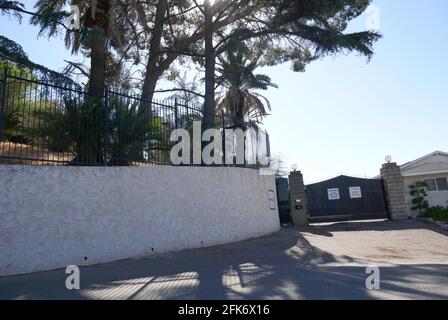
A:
{"points": [[395, 192], [299, 211]]}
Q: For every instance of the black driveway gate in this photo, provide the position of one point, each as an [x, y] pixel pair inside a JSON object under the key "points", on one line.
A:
{"points": [[346, 198]]}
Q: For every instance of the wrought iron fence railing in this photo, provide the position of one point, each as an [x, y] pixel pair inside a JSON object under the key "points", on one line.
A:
{"points": [[46, 124]]}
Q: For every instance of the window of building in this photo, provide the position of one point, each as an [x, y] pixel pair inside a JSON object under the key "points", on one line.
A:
{"points": [[442, 184], [431, 185]]}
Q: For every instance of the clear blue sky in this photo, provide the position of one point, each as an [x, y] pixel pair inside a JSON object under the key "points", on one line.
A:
{"points": [[343, 115]]}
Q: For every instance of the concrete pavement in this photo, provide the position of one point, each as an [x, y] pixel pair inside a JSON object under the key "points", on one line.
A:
{"points": [[319, 262]]}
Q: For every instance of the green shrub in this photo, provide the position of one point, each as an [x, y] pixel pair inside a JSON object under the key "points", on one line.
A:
{"points": [[418, 193], [438, 213], [73, 126], [15, 113], [77, 127]]}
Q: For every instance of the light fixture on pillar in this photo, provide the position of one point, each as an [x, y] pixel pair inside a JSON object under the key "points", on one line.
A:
{"points": [[388, 159], [294, 167]]}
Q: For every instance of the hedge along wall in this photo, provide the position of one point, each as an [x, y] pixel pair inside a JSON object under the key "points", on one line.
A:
{"points": [[52, 217]]}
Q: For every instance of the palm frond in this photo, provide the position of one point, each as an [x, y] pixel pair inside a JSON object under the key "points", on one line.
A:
{"points": [[236, 74]]}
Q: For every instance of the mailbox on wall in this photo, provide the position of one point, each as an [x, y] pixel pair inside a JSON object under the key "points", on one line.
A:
{"points": [[299, 205]]}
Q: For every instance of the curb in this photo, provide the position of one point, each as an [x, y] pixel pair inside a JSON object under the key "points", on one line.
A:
{"points": [[441, 224]]}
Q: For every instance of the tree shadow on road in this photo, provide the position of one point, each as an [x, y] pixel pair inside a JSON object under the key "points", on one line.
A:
{"points": [[281, 266], [380, 225]]}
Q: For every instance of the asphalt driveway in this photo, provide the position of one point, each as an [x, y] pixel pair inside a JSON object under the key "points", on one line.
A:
{"points": [[318, 262]]}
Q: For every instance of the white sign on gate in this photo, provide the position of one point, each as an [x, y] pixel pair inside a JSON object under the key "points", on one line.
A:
{"points": [[355, 192], [333, 194]]}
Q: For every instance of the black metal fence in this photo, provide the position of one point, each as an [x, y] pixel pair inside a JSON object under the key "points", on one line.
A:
{"points": [[46, 124]]}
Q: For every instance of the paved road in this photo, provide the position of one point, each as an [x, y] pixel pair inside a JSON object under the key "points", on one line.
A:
{"points": [[319, 262]]}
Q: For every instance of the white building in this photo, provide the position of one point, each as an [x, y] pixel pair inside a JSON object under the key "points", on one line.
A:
{"points": [[432, 169]]}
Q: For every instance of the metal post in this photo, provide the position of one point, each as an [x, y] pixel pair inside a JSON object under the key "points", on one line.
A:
{"points": [[223, 138], [106, 125], [257, 147], [176, 114], [3, 102], [268, 147]]}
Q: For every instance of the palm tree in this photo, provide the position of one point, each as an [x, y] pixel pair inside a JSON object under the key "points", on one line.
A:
{"points": [[236, 68], [93, 24], [104, 24]]}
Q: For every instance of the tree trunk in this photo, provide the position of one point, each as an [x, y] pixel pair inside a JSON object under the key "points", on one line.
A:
{"points": [[155, 69], [152, 73], [149, 86], [209, 104], [239, 113], [97, 79]]}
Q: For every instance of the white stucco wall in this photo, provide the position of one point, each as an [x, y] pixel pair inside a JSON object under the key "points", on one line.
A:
{"points": [[51, 217], [435, 198]]}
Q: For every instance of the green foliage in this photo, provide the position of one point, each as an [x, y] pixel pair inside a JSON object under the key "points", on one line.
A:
{"points": [[12, 8], [236, 68], [302, 31], [134, 133], [74, 127], [296, 31], [16, 118], [438, 213], [14, 57], [78, 128], [418, 192], [118, 22], [56, 126]]}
